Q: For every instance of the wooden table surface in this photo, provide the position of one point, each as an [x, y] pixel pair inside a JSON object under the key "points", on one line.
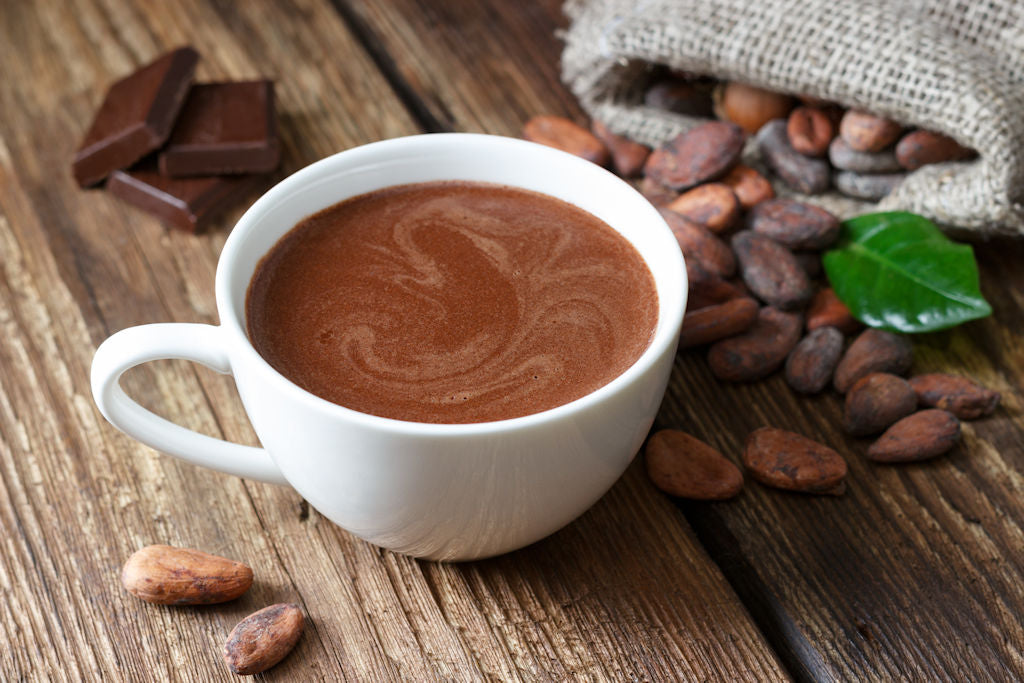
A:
{"points": [[917, 573]]}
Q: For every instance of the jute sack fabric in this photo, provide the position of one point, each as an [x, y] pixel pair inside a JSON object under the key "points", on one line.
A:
{"points": [[954, 66]]}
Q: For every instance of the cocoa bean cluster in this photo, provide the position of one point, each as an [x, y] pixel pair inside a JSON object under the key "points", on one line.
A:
{"points": [[757, 301]]}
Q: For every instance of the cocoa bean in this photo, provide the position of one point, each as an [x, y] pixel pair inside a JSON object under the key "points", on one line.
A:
{"points": [[810, 130], [713, 205], [628, 157], [810, 364], [810, 261], [750, 107], [794, 224], [866, 132], [826, 310], [873, 351], [684, 466], [709, 324], [563, 134], [656, 193], [920, 436], [166, 575], [697, 242], [263, 639], [869, 186], [713, 291], [875, 402], [847, 158], [959, 395], [801, 173], [771, 271], [922, 147], [751, 187], [701, 154], [789, 461], [760, 350], [680, 97]]}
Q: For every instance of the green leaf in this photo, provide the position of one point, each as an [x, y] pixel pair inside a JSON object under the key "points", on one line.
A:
{"points": [[898, 272]]}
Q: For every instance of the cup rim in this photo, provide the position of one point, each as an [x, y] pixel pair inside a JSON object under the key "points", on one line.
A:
{"points": [[666, 330]]}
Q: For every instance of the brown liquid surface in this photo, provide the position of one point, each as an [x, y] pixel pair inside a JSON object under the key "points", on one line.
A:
{"points": [[451, 302]]}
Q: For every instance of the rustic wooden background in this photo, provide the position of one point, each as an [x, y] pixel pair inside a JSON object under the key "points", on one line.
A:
{"points": [[915, 574]]}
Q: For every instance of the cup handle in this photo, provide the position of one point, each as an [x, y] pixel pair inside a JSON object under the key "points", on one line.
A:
{"points": [[189, 341]]}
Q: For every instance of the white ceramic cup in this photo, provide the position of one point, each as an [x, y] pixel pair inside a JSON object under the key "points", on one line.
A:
{"points": [[438, 491]]}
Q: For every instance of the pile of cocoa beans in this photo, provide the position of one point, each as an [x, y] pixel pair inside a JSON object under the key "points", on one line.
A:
{"points": [[757, 304]]}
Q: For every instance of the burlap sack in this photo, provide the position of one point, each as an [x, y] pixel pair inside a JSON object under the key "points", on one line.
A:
{"points": [[955, 66]]}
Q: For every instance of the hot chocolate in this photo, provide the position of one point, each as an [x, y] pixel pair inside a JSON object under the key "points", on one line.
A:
{"points": [[451, 302]]}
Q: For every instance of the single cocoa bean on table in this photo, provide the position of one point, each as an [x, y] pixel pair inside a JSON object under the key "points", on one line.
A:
{"points": [[922, 147], [566, 135], [959, 395], [684, 466], [771, 271], [877, 401], [812, 361], [713, 205], [709, 324], [866, 132], [873, 351], [846, 158], [810, 130], [760, 350], [628, 157], [800, 172], [166, 575], [869, 186], [703, 153], [750, 107], [826, 310], [920, 436], [263, 639], [794, 224], [697, 242], [751, 187], [789, 461]]}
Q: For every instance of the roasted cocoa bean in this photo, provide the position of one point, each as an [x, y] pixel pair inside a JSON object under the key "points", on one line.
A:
{"points": [[873, 351], [920, 436], [847, 158], [869, 186], [877, 401], [628, 157], [263, 639], [681, 97], [696, 156], [713, 205], [866, 132], [713, 291], [810, 130], [789, 461], [959, 395], [771, 271], [682, 465], [801, 173], [760, 350], [751, 187], [749, 107], [563, 134], [922, 147], [794, 224], [826, 310], [656, 193], [697, 242], [810, 364], [709, 324]]}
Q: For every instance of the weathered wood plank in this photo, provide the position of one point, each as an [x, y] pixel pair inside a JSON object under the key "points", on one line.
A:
{"points": [[880, 583]]}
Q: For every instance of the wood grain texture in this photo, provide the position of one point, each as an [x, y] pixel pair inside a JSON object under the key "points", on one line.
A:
{"points": [[624, 593], [915, 573]]}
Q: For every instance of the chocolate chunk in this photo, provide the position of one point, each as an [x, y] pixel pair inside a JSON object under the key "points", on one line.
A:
{"points": [[136, 116], [187, 204], [224, 128]]}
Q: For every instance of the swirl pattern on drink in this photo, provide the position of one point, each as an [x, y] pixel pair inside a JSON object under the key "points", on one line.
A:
{"points": [[451, 302]]}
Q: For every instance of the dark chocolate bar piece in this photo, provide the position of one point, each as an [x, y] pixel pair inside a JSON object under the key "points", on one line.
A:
{"points": [[188, 204], [136, 116], [224, 128]]}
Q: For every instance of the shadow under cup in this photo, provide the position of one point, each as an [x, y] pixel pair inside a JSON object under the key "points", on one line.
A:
{"points": [[451, 491]]}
